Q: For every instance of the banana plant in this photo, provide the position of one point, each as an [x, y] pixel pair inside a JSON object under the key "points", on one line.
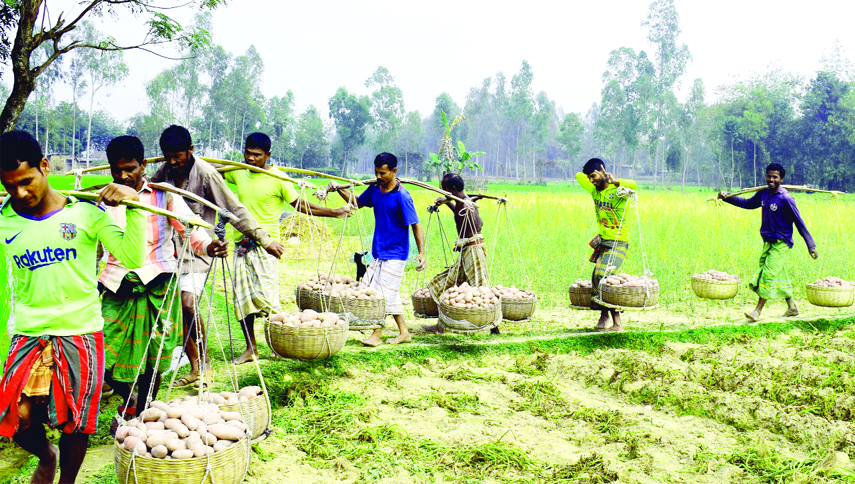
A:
{"points": [[451, 158]]}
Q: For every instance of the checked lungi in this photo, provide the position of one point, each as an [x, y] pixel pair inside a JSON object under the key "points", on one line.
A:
{"points": [[75, 388], [130, 316], [771, 281], [386, 276], [256, 280], [470, 267], [607, 258]]}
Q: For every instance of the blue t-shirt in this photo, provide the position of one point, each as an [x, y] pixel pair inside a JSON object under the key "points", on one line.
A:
{"points": [[394, 212]]}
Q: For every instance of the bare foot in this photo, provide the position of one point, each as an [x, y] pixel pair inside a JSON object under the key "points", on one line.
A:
{"points": [[616, 328], [373, 340], [46, 470], [601, 324], [754, 316], [246, 357], [401, 338], [433, 328], [791, 312]]}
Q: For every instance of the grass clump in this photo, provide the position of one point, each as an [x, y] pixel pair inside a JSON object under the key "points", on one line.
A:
{"points": [[591, 469]]}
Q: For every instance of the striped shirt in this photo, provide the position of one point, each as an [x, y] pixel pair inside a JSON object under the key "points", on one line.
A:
{"points": [[161, 250]]}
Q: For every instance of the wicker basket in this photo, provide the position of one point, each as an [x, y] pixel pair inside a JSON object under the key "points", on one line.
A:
{"points": [[425, 306], [517, 309], [580, 297], [366, 309], [227, 467], [469, 319], [709, 289], [307, 299], [630, 297], [305, 343], [830, 297], [255, 413]]}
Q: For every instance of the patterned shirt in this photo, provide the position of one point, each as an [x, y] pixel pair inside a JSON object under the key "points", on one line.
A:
{"points": [[160, 251], [51, 264], [779, 215], [204, 180], [608, 207]]}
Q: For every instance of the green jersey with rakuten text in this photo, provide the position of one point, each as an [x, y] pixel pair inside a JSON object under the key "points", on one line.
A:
{"points": [[609, 207], [51, 262]]}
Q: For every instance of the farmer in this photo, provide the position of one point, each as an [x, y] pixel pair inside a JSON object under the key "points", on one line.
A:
{"points": [[257, 272], [612, 242], [779, 213], [135, 303], [55, 366], [394, 212], [185, 171], [471, 266]]}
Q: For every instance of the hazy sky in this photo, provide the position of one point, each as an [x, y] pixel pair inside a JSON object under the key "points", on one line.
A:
{"points": [[314, 47]]}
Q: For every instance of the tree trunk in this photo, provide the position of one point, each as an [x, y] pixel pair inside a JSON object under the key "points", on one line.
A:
{"points": [[732, 166], [211, 135], [755, 163], [89, 129], [73, 133], [47, 131], [685, 166]]}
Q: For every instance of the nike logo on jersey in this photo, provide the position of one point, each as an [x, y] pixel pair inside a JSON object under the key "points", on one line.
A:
{"points": [[9, 241]]}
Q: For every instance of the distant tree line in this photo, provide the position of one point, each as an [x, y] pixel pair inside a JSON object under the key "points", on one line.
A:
{"points": [[638, 125]]}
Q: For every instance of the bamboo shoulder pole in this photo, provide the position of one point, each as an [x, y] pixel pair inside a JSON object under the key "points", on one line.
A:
{"points": [[166, 187], [193, 220], [797, 188]]}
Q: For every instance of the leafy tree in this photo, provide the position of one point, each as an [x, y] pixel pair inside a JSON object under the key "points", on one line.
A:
{"points": [[311, 144], [352, 116], [387, 108], [571, 133], [27, 18], [663, 24]]}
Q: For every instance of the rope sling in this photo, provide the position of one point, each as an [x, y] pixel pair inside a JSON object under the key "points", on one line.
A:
{"points": [[632, 199]]}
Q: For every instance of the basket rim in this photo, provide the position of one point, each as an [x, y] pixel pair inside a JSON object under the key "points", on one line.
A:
{"points": [[312, 331], [710, 282], [814, 287], [629, 290], [489, 309], [519, 300]]}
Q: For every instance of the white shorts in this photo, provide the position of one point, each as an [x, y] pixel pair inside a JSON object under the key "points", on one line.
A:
{"points": [[193, 282]]}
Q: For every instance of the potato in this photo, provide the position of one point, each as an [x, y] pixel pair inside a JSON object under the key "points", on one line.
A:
{"points": [[222, 445], [223, 431], [195, 412], [175, 444], [193, 435], [197, 447], [152, 414], [156, 440], [233, 400], [154, 426], [121, 433], [159, 452], [243, 399], [211, 417], [171, 423], [182, 431], [182, 454], [159, 405], [238, 425], [308, 315], [131, 442], [189, 421], [209, 439], [230, 415], [133, 422]]}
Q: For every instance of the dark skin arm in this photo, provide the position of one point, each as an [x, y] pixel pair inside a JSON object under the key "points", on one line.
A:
{"points": [[309, 208], [345, 194]]}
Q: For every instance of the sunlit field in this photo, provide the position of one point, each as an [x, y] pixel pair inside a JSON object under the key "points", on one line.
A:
{"points": [[691, 392]]}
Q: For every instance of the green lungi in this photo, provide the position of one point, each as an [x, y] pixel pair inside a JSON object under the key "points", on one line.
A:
{"points": [[470, 267], [771, 280], [130, 316]]}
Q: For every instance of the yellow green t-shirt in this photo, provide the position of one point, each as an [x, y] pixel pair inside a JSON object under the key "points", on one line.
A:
{"points": [[608, 207], [264, 197]]}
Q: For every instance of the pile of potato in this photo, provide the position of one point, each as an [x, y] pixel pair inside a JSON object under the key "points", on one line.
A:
{"points": [[182, 430], [581, 283], [308, 318], [222, 398], [626, 280], [339, 286], [833, 282], [514, 293], [468, 297], [324, 282], [713, 275], [423, 293]]}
